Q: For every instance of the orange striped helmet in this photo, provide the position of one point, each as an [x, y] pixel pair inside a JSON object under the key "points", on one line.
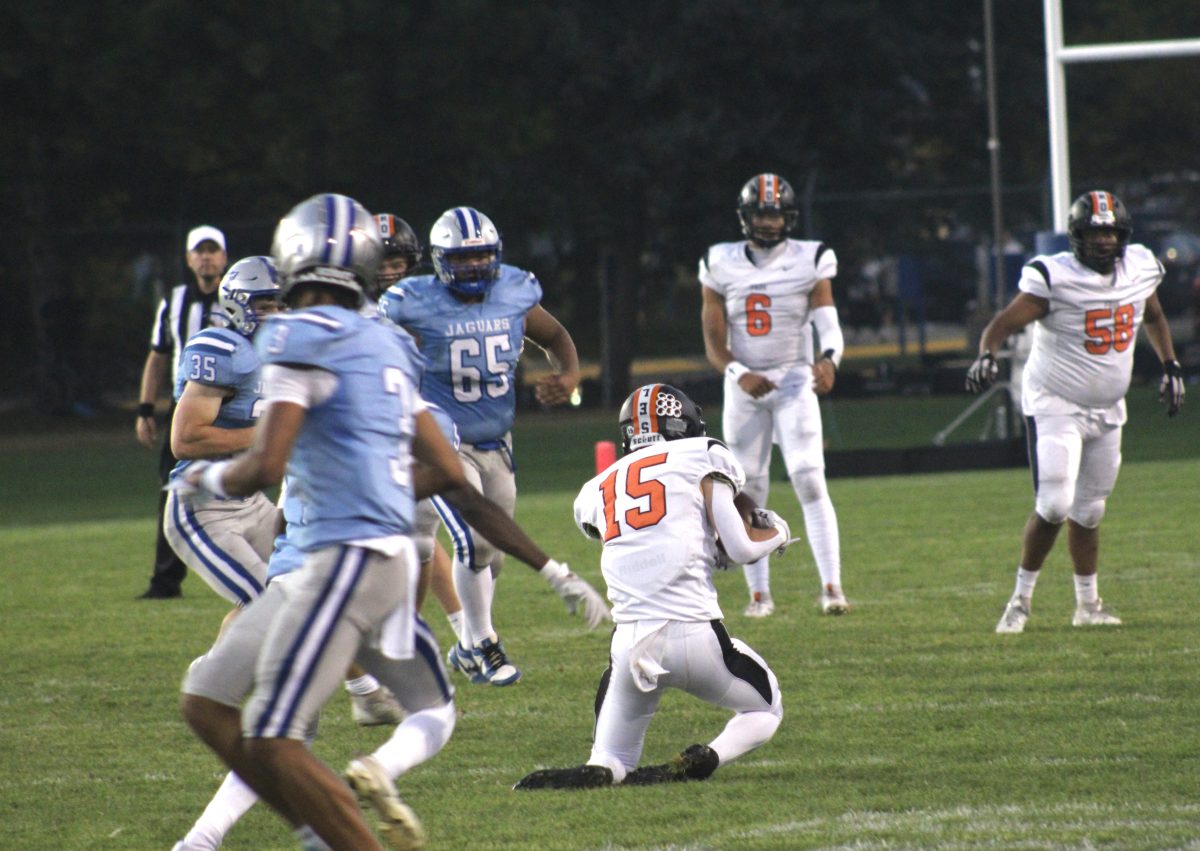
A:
{"points": [[657, 412], [1095, 211]]}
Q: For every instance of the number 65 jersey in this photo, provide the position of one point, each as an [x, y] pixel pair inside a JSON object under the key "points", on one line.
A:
{"points": [[767, 306], [659, 545], [1083, 348]]}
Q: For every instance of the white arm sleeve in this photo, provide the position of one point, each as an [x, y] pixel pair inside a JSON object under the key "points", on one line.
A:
{"points": [[825, 320], [732, 530], [303, 387]]}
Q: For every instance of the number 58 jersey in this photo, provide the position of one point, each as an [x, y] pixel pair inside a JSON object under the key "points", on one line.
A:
{"points": [[767, 306], [1083, 348], [659, 545]]}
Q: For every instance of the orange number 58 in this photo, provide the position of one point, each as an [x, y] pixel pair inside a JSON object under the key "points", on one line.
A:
{"points": [[1102, 337]]}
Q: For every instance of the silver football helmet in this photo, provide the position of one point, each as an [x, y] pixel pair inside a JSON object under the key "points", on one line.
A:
{"points": [[331, 240], [464, 247], [242, 290]]}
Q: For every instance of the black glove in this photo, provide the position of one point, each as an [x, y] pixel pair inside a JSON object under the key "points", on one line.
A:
{"points": [[982, 373], [1170, 389]]}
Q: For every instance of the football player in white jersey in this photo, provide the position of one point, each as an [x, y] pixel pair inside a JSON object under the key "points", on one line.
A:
{"points": [[1086, 306], [761, 295], [664, 512]]}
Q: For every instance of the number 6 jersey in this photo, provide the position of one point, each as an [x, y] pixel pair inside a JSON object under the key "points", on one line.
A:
{"points": [[659, 545], [1083, 348], [767, 306]]}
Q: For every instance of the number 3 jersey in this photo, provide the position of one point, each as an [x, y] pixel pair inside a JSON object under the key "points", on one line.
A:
{"points": [[659, 545], [221, 357], [472, 347], [1082, 351], [767, 305]]}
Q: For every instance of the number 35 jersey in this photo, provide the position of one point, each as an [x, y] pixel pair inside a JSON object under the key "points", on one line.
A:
{"points": [[472, 347], [767, 306], [659, 545], [1083, 348]]}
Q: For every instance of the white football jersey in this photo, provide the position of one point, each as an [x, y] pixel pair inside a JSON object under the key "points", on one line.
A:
{"points": [[767, 306], [659, 546], [1083, 348]]}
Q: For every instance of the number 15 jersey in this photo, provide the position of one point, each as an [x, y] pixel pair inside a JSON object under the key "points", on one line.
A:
{"points": [[659, 545], [767, 306], [1083, 348]]}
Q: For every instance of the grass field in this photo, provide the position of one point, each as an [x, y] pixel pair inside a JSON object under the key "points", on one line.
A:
{"points": [[908, 723]]}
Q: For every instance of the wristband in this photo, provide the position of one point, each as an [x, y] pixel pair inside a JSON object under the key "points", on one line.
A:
{"points": [[211, 479], [552, 570], [736, 369], [1172, 368], [831, 356], [145, 410]]}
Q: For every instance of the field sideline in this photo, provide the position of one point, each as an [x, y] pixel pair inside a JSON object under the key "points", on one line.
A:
{"points": [[908, 723]]}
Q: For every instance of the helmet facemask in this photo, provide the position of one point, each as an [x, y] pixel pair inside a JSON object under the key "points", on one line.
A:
{"points": [[1096, 212]]}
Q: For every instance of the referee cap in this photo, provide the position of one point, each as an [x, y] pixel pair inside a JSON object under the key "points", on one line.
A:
{"points": [[199, 234]]}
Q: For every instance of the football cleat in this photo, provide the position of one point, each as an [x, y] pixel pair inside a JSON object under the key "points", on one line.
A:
{"points": [[376, 708], [697, 762], [1094, 614], [1014, 617], [579, 777], [761, 606], [833, 601], [462, 660], [493, 663], [398, 824]]}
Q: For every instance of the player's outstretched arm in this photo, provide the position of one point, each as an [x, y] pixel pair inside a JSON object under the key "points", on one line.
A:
{"points": [[556, 342]]}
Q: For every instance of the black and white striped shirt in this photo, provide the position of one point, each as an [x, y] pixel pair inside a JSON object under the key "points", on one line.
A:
{"points": [[183, 313]]}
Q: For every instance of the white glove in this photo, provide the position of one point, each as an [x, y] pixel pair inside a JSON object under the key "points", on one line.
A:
{"points": [[199, 484], [579, 596], [765, 518], [982, 373]]}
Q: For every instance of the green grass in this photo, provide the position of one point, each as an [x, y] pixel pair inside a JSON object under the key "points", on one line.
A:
{"points": [[908, 723]]}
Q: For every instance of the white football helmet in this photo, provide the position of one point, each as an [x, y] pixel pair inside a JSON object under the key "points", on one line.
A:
{"points": [[331, 240], [245, 285], [464, 247]]}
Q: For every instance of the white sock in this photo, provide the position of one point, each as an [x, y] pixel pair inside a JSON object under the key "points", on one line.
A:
{"points": [[457, 623], [475, 590], [417, 738], [820, 525], [758, 576], [231, 801], [1026, 579], [362, 685], [744, 732], [1087, 591]]}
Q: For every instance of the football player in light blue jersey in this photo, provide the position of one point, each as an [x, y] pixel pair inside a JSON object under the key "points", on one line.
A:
{"points": [[218, 394], [341, 416], [471, 319]]}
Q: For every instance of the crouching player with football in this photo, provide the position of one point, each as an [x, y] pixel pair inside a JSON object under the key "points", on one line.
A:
{"points": [[666, 515]]}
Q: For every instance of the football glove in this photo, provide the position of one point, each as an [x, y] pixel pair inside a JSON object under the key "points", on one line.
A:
{"points": [[580, 597], [765, 518], [1171, 389], [189, 486], [982, 373]]}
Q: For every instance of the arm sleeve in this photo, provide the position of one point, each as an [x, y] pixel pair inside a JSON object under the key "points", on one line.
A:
{"points": [[303, 387], [825, 320], [732, 530]]}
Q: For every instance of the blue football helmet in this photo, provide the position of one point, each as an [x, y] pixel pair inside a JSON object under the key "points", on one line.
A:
{"points": [[330, 240], [464, 247], [242, 291]]}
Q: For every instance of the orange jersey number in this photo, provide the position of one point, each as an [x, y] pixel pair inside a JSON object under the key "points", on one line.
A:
{"points": [[635, 488], [1102, 337], [758, 319]]}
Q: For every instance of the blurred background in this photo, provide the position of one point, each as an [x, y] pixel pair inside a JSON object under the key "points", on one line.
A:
{"points": [[608, 142]]}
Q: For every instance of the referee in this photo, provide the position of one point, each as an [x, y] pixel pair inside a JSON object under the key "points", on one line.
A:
{"points": [[185, 311]]}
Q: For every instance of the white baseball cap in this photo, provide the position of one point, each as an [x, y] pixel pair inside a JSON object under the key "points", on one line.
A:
{"points": [[199, 234]]}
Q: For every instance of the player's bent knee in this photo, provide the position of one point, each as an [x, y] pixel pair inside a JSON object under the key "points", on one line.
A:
{"points": [[1053, 502], [1088, 514], [809, 484]]}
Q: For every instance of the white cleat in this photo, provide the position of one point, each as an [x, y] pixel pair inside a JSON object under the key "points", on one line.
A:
{"points": [[1014, 617], [1094, 614], [833, 601], [761, 606], [398, 824], [376, 709]]}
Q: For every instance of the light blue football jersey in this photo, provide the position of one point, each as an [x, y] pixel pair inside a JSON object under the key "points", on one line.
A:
{"points": [[351, 466], [221, 357], [472, 347]]}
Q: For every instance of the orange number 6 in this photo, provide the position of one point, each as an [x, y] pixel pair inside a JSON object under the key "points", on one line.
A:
{"points": [[758, 320]]}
